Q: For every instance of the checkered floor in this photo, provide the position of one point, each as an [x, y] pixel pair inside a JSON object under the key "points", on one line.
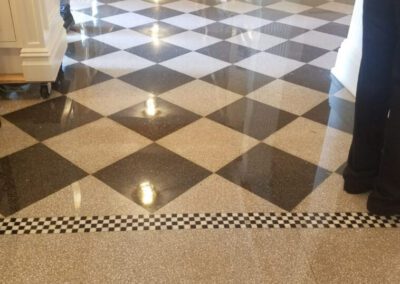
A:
{"points": [[170, 106]]}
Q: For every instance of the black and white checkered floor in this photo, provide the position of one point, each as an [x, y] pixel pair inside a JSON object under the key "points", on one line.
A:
{"points": [[185, 107], [173, 122]]}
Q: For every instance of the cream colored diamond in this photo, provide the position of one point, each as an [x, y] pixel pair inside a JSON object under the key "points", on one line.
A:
{"points": [[208, 144], [13, 139], [86, 197], [313, 142], [200, 97], [289, 97], [97, 144], [216, 194], [330, 197], [109, 97]]}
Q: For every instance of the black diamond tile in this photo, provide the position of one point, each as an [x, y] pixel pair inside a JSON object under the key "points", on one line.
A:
{"points": [[162, 29], [87, 49], [167, 173], [156, 79], [269, 14], [167, 119], [31, 175], [252, 118], [274, 175], [97, 27], [159, 52], [213, 13], [335, 112], [312, 3], [159, 13], [78, 76], [103, 11], [297, 51], [282, 30], [315, 78], [52, 117], [238, 79], [323, 14], [220, 30], [227, 51], [335, 29]]}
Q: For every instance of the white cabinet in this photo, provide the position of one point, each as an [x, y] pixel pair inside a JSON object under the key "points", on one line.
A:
{"points": [[7, 32], [32, 40]]}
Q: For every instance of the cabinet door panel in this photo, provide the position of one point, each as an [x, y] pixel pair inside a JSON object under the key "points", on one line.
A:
{"points": [[6, 22]]}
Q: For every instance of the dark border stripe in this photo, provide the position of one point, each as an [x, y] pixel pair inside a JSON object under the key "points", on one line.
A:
{"points": [[195, 221]]}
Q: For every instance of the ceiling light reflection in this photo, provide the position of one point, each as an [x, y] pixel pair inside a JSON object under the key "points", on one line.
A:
{"points": [[155, 34], [147, 194], [151, 107], [76, 191]]}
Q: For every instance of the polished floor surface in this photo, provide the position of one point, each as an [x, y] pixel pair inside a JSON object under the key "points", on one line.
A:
{"points": [[182, 120]]}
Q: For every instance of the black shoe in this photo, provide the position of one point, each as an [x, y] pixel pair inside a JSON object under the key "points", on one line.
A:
{"points": [[352, 186], [378, 205]]}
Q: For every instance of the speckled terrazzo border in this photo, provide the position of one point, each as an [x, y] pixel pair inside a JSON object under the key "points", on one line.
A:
{"points": [[193, 221]]}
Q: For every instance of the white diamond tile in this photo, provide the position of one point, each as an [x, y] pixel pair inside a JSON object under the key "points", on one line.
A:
{"points": [[124, 39], [118, 63], [82, 4], [256, 40], [191, 40], [269, 64], [195, 64], [80, 18], [132, 5], [326, 61], [129, 20], [303, 22], [289, 7], [237, 7], [246, 22], [337, 7], [188, 21], [345, 20], [185, 6], [319, 39]]}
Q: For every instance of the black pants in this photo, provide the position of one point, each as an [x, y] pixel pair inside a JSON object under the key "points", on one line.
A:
{"points": [[375, 151]]}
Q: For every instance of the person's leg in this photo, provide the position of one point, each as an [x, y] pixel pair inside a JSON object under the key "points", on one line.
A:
{"points": [[373, 95], [386, 198], [65, 11]]}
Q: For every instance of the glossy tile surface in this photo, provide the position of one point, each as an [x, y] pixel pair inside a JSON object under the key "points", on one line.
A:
{"points": [[52, 117], [32, 174], [276, 176], [168, 174], [203, 140], [156, 79], [237, 79], [201, 112], [166, 119], [211, 84], [252, 118]]}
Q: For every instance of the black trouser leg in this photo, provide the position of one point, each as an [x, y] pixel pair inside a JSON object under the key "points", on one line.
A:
{"points": [[386, 198], [373, 92]]}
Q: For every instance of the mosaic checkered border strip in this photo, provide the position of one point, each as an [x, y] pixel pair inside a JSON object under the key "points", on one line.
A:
{"points": [[195, 221]]}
